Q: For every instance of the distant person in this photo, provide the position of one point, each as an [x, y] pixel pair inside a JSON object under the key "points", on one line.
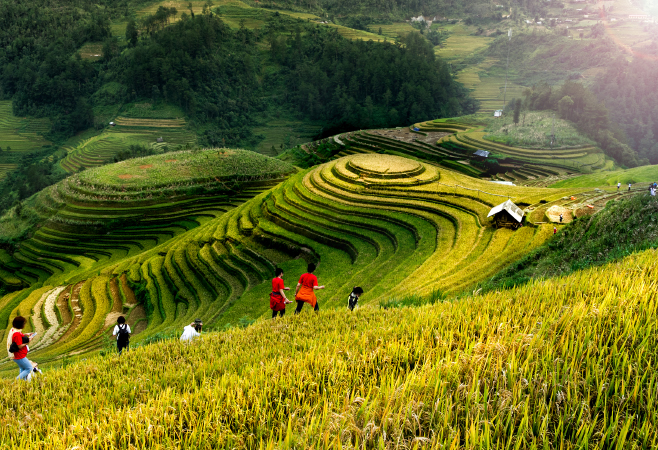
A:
{"points": [[192, 331], [629, 187], [17, 347], [653, 192], [560, 218], [353, 299], [618, 186], [278, 299], [305, 292], [122, 332], [554, 230]]}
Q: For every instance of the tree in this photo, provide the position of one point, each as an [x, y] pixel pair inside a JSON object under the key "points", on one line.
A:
{"points": [[131, 32], [564, 107], [517, 111]]}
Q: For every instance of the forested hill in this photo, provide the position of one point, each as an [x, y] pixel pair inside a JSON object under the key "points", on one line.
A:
{"points": [[403, 8], [218, 75]]}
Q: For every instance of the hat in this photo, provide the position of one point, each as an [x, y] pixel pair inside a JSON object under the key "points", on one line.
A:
{"points": [[197, 321]]}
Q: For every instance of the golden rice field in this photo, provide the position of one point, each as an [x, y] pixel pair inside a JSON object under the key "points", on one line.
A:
{"points": [[207, 247], [560, 364]]}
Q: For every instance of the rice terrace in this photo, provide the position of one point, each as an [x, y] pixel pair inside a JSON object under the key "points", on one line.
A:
{"points": [[294, 225]]}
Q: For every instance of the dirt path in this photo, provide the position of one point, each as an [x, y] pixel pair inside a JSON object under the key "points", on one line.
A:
{"points": [[77, 311]]}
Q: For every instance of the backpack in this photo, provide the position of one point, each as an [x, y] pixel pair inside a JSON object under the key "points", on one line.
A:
{"points": [[123, 337]]}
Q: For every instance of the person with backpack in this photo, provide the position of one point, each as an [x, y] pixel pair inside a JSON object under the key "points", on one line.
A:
{"points": [[122, 332], [353, 299], [305, 292], [278, 299], [17, 347]]}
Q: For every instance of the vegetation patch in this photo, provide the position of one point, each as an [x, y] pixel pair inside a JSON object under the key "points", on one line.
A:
{"points": [[623, 227], [644, 174], [534, 130], [186, 167]]}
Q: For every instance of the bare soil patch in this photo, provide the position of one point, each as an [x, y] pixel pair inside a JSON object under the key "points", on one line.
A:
{"points": [[146, 166], [136, 320], [77, 311], [171, 160], [125, 176], [405, 135]]}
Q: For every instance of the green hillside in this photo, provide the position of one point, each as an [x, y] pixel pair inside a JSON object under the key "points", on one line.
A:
{"points": [[542, 366], [625, 226], [102, 215], [644, 175]]}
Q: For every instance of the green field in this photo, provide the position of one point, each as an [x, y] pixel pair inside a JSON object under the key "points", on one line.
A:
{"points": [[644, 174], [182, 167], [287, 132], [461, 42], [100, 149], [534, 131], [21, 134]]}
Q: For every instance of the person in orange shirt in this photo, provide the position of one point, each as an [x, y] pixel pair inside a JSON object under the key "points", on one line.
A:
{"points": [[305, 292], [278, 300]]}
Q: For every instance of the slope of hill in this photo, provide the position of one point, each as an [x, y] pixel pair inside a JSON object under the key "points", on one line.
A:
{"points": [[644, 175], [625, 226], [565, 363], [132, 231], [105, 214]]}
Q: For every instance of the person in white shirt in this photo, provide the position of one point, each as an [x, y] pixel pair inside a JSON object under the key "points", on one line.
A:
{"points": [[618, 186], [191, 331], [122, 332]]}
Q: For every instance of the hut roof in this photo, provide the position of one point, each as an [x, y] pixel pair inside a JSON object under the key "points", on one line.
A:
{"points": [[482, 153], [510, 207]]}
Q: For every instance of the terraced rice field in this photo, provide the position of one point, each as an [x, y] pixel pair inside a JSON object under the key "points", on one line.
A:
{"points": [[21, 134], [6, 168], [561, 353], [576, 159], [461, 42], [388, 214], [394, 30], [98, 150], [638, 175]]}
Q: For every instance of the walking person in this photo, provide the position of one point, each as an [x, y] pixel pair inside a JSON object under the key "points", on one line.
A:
{"points": [[560, 218], [17, 347], [122, 333], [618, 186], [353, 299], [305, 292], [278, 299], [554, 230], [629, 187]]}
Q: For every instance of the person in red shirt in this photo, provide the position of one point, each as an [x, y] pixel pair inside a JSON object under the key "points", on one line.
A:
{"points": [[21, 340], [278, 300], [305, 292]]}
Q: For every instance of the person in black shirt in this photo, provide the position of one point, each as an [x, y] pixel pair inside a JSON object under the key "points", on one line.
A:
{"points": [[353, 299]]}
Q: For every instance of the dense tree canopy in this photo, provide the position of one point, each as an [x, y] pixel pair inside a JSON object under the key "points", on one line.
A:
{"points": [[630, 92], [366, 84]]}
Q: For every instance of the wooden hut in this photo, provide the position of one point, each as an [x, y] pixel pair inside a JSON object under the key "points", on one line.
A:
{"points": [[506, 214]]}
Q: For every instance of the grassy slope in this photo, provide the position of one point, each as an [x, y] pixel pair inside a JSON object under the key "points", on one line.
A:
{"points": [[566, 363], [182, 167], [644, 174], [534, 131], [623, 227]]}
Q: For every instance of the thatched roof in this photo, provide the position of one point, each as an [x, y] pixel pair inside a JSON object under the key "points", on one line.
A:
{"points": [[511, 208]]}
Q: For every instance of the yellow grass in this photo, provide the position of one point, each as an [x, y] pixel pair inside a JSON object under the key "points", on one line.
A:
{"points": [[565, 362]]}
